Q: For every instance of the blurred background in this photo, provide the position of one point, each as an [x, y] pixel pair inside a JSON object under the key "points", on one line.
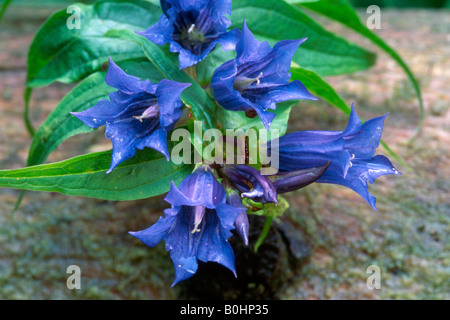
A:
{"points": [[323, 245], [402, 3]]}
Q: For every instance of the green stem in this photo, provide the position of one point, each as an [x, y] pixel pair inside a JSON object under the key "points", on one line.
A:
{"points": [[18, 202], [26, 114], [264, 233]]}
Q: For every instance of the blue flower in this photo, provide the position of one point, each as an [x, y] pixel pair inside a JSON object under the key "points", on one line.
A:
{"points": [[138, 115], [193, 28], [258, 78], [241, 224], [350, 154], [197, 225]]}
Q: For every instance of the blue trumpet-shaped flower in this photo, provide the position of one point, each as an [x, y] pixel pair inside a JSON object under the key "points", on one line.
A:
{"points": [[258, 78], [138, 115], [350, 154], [197, 225], [193, 28]]}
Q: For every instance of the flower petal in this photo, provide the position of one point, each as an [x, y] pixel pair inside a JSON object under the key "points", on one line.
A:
{"points": [[197, 189], [249, 48], [279, 93], [214, 245], [280, 60], [364, 143], [129, 134], [117, 78], [154, 234], [169, 102], [209, 243], [100, 114], [229, 39], [362, 172], [160, 33]]}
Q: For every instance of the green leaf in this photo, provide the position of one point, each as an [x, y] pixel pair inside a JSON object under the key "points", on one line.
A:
{"points": [[60, 124], [238, 120], [145, 175], [323, 52], [343, 12], [201, 104], [319, 87], [58, 53]]}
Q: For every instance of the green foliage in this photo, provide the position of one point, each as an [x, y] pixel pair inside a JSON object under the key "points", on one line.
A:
{"points": [[58, 53], [145, 175]]}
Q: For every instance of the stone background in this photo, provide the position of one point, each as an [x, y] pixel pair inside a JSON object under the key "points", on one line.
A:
{"points": [[326, 240]]}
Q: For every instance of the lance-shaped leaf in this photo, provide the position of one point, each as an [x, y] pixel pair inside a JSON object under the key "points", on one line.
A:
{"points": [[145, 175], [319, 87]]}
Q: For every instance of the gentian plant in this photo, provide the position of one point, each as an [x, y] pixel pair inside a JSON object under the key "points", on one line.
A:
{"points": [[179, 65]]}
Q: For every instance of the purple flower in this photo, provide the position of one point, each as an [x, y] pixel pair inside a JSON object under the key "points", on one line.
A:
{"points": [[193, 28], [250, 183], [349, 153], [294, 180], [138, 115], [197, 225], [258, 78]]}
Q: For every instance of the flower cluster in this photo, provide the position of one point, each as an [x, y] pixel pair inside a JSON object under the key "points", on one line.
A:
{"points": [[208, 206]]}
